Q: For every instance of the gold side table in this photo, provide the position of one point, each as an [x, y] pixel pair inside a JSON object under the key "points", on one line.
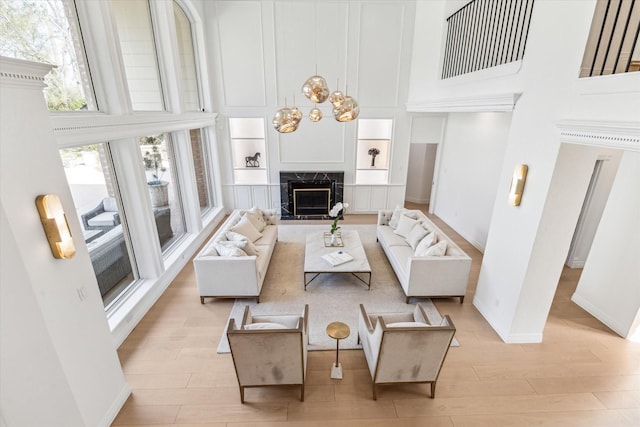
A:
{"points": [[337, 331]]}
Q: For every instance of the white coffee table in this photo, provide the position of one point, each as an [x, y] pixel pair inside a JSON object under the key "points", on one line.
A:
{"points": [[314, 263]]}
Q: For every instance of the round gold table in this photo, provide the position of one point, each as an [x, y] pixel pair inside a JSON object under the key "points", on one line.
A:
{"points": [[337, 331]]}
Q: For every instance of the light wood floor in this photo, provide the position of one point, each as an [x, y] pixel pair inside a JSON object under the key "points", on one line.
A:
{"points": [[581, 375]]}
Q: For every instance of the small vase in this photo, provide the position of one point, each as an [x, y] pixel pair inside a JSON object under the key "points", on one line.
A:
{"points": [[333, 239]]}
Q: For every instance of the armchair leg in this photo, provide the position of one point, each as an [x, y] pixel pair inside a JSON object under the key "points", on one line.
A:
{"points": [[408, 299], [461, 299], [201, 300], [301, 392], [241, 394], [375, 393]]}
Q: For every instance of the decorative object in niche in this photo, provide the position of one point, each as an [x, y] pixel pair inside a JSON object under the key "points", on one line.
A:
{"points": [[252, 161], [373, 152]]}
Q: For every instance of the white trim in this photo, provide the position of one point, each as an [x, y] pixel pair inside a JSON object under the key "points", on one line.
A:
{"points": [[97, 127], [599, 314], [478, 103], [116, 406], [620, 135], [19, 72]]}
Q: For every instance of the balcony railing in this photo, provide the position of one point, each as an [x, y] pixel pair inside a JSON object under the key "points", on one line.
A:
{"points": [[612, 46], [484, 34]]}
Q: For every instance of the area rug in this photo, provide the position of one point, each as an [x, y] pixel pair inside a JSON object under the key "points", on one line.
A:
{"points": [[331, 297]]}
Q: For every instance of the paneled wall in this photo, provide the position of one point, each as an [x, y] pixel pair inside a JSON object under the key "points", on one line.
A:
{"points": [[261, 52]]}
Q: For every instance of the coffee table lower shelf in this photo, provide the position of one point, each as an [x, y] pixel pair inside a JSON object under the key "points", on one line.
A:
{"points": [[353, 273]]}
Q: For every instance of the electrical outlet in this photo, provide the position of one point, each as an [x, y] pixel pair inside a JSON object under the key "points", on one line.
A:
{"points": [[82, 293]]}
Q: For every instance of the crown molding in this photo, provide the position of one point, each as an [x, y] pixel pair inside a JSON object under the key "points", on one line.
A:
{"points": [[19, 72], [480, 103], [620, 135]]}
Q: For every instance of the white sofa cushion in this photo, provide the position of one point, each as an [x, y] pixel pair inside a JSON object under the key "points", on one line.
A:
{"points": [[269, 236], [425, 243], [256, 217], [228, 248], [397, 212], [264, 325], [247, 229], [248, 246], [103, 219], [407, 325], [415, 236], [439, 249], [405, 225], [390, 238]]}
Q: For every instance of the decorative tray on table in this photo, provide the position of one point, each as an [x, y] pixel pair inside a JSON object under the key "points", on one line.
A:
{"points": [[334, 240]]}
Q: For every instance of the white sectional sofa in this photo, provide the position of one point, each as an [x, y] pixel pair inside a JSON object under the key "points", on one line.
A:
{"points": [[224, 272], [422, 275]]}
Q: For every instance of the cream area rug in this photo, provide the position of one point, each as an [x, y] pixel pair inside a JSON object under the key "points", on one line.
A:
{"points": [[331, 297]]}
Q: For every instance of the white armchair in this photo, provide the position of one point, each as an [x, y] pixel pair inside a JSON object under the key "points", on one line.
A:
{"points": [[404, 347], [270, 350]]}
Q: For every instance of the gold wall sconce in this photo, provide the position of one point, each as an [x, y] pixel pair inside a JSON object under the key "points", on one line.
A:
{"points": [[517, 184], [56, 226]]}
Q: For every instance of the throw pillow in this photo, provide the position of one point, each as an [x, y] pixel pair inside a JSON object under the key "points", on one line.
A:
{"points": [[209, 251], [229, 249], [407, 325], [246, 246], [425, 243], [245, 228], [405, 225], [109, 204], [438, 249], [257, 218], [395, 216], [415, 235], [264, 325]]}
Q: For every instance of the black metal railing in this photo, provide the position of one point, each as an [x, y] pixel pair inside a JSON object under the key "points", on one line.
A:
{"points": [[613, 39], [486, 33]]}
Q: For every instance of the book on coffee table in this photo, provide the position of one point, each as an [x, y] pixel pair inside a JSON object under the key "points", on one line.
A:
{"points": [[337, 257]]}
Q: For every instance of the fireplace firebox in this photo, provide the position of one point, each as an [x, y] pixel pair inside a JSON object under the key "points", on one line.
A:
{"points": [[309, 195]]}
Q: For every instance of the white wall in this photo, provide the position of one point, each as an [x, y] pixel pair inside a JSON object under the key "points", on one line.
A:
{"points": [[471, 160], [420, 176], [611, 290], [83, 384]]}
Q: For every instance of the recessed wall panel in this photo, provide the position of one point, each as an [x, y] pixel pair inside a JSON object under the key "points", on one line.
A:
{"points": [[242, 59], [381, 30], [321, 142], [309, 35]]}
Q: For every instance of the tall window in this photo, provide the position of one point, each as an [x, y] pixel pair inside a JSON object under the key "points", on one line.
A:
{"points": [[189, 76], [162, 183], [135, 32], [47, 31], [94, 193]]}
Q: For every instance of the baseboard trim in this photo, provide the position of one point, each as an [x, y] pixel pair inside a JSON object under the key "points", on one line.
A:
{"points": [[593, 310], [116, 406]]}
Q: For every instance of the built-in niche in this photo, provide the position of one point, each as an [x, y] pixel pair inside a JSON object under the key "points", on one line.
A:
{"points": [[249, 150], [372, 151]]}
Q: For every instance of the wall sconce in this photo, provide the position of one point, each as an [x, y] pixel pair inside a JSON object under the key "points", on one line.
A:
{"points": [[56, 227], [517, 184]]}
